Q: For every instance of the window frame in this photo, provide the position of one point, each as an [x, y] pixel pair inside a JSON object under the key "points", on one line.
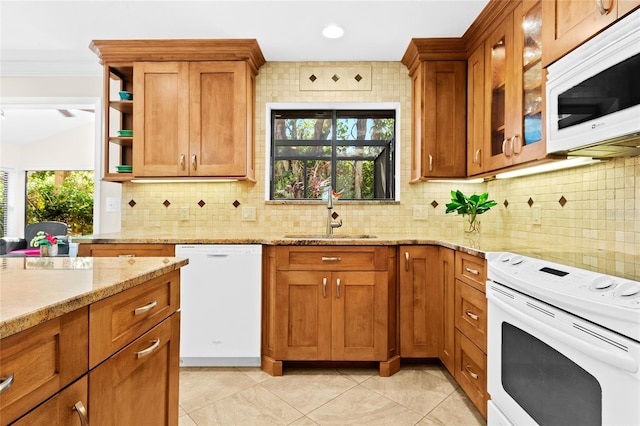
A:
{"points": [[270, 106]]}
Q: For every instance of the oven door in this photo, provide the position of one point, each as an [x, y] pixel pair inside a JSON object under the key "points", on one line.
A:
{"points": [[548, 367]]}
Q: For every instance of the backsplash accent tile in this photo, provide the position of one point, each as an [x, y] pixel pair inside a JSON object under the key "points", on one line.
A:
{"points": [[166, 203], [201, 203], [132, 203], [338, 76], [562, 201], [530, 202], [506, 204], [434, 203], [236, 203]]}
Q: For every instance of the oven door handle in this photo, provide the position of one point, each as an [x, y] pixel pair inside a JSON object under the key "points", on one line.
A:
{"points": [[615, 357]]}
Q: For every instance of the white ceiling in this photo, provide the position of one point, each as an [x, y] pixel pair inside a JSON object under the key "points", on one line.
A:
{"points": [[52, 37]]}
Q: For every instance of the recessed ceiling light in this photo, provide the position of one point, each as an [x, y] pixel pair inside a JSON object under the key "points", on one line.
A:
{"points": [[333, 31]]}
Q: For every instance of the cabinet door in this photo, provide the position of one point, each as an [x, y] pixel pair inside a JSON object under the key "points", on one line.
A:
{"points": [[302, 317], [161, 119], [444, 144], [567, 24], [359, 316], [139, 384], [64, 409], [528, 142], [475, 111], [626, 6], [447, 350], [500, 80], [471, 313], [218, 118], [420, 302], [42, 360], [126, 250]]}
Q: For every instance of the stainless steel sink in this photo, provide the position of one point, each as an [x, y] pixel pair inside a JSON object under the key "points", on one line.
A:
{"points": [[325, 237]]}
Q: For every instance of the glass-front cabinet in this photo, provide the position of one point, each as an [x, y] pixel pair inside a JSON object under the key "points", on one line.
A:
{"points": [[514, 89]]}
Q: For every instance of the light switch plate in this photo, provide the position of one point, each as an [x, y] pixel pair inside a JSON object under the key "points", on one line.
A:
{"points": [[537, 215], [112, 204], [420, 213], [184, 213]]}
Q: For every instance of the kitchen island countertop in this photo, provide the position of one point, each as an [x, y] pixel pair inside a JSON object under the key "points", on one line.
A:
{"points": [[576, 252], [37, 289]]}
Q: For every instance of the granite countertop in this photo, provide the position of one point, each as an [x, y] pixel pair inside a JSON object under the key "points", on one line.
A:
{"points": [[36, 289], [576, 252]]}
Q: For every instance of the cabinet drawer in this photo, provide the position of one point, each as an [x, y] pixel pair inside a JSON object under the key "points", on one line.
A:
{"points": [[59, 410], [117, 320], [471, 314], [333, 258], [126, 250], [42, 360], [139, 384], [471, 371], [472, 270]]}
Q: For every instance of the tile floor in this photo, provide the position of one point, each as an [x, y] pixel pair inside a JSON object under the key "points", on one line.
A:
{"points": [[419, 394]]}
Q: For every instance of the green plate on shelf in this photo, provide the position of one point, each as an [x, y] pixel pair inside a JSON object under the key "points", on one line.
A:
{"points": [[125, 132], [124, 169]]}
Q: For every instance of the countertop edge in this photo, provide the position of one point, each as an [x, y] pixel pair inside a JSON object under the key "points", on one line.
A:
{"points": [[20, 323]]}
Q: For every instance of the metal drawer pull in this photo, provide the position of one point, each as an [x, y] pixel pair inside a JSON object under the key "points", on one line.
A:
{"points": [[603, 10], [406, 260], [472, 271], [477, 157], [430, 163], [471, 315], [145, 308], [6, 382], [181, 161], [471, 373], [338, 288], [324, 287], [126, 255], [331, 259], [153, 347], [194, 163], [82, 413]]}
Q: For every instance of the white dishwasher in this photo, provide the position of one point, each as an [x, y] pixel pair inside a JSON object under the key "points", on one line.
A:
{"points": [[220, 292]]}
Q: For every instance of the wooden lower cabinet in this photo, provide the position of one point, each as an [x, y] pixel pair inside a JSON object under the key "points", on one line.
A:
{"points": [[126, 250], [139, 384], [42, 360], [337, 312], [68, 408], [471, 371]]}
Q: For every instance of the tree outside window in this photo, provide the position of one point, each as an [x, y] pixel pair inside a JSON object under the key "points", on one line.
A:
{"points": [[63, 196], [351, 151]]}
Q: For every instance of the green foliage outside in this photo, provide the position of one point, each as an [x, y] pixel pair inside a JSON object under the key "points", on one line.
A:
{"points": [[295, 177], [71, 202]]}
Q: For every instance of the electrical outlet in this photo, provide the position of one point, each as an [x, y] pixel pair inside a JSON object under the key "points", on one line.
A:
{"points": [[184, 213], [537, 215], [420, 213], [249, 214]]}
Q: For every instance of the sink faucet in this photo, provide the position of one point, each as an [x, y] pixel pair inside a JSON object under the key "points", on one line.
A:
{"points": [[330, 222]]}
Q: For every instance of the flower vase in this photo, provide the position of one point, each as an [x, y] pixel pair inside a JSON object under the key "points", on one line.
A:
{"points": [[48, 250], [473, 225]]}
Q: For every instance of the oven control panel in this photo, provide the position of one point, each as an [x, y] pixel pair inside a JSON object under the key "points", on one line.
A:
{"points": [[596, 297]]}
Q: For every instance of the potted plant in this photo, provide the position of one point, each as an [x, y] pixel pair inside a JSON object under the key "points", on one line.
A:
{"points": [[48, 244], [470, 207]]}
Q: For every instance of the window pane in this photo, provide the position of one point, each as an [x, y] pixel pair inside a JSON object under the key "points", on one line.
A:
{"points": [[351, 151]]}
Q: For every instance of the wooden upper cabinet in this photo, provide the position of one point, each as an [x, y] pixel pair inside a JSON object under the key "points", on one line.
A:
{"points": [[514, 90], [193, 107], [437, 68], [220, 98], [161, 119], [475, 111], [568, 24]]}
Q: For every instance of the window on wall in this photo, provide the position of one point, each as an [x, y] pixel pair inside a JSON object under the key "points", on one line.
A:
{"points": [[352, 151], [4, 202]]}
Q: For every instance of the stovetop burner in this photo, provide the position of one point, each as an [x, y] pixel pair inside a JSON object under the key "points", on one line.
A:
{"points": [[609, 301]]}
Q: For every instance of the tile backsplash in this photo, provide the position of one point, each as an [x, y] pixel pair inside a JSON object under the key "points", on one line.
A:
{"points": [[602, 201]]}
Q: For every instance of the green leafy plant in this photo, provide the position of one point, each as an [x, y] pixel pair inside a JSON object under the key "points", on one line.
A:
{"points": [[470, 207]]}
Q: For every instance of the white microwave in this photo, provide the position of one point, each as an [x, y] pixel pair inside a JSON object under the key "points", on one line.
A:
{"points": [[593, 95]]}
